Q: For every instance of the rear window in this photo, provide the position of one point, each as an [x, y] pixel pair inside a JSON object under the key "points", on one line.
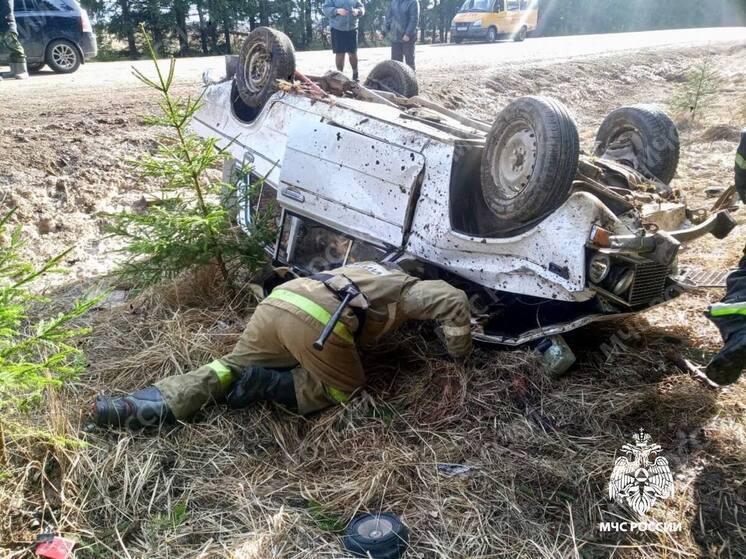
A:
{"points": [[44, 5]]}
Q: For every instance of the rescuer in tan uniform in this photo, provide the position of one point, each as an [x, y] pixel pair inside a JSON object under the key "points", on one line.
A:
{"points": [[274, 359]]}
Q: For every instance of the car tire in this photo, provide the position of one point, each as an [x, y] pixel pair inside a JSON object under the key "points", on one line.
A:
{"points": [[521, 35], [529, 162], [63, 57], [393, 76], [653, 137], [382, 536], [491, 35], [34, 67], [266, 56], [458, 40]]}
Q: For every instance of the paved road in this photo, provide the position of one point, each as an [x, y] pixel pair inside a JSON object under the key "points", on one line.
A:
{"points": [[430, 58]]}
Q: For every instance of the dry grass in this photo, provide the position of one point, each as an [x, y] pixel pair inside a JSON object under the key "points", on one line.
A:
{"points": [[262, 483]]}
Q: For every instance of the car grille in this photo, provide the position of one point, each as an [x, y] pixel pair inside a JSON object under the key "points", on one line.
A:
{"points": [[649, 284]]}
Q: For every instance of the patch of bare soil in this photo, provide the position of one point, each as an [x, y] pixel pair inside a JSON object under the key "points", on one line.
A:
{"points": [[262, 483]]}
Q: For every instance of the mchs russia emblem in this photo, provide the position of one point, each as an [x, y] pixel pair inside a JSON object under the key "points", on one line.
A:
{"points": [[641, 476]]}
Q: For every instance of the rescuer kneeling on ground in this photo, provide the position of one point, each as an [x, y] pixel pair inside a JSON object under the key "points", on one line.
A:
{"points": [[275, 358], [730, 314]]}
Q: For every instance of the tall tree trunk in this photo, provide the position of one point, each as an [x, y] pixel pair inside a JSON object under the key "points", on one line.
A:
{"points": [[202, 28], [129, 28], [180, 15], [434, 21], [309, 23], [227, 34], [263, 13], [212, 29]]}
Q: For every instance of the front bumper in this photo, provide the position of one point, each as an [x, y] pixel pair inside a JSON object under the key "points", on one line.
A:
{"points": [[469, 32]]}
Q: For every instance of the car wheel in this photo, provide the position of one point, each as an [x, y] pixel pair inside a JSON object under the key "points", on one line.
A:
{"points": [[35, 66], [529, 161], [491, 35], [393, 76], [458, 40], [63, 57], [266, 56], [521, 35], [381, 536], [642, 136]]}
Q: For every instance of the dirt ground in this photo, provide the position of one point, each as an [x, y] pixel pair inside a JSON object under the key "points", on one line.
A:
{"points": [[262, 483]]}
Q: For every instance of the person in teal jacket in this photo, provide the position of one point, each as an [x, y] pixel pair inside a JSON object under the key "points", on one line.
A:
{"points": [[343, 19]]}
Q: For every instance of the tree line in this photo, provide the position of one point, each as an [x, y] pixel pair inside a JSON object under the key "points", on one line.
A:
{"points": [[191, 27]]}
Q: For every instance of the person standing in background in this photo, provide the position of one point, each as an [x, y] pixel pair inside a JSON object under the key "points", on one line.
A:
{"points": [[343, 19], [9, 38], [401, 28]]}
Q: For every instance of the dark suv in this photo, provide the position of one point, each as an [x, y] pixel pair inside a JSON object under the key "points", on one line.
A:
{"points": [[53, 32]]}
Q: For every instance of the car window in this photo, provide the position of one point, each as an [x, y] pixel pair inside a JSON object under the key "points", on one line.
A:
{"points": [[19, 6], [53, 6], [476, 6], [513, 5]]}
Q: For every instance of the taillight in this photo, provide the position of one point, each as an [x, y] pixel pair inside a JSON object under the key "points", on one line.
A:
{"points": [[85, 22]]}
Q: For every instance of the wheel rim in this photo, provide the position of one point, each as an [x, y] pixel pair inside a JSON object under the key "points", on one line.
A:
{"points": [[375, 528], [514, 159], [64, 56], [491, 35], [257, 68]]}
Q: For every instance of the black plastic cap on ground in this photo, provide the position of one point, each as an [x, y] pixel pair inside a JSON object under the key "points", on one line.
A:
{"points": [[381, 535]]}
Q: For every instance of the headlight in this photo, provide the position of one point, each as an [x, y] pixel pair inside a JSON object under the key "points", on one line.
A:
{"points": [[598, 268], [624, 282], [477, 23]]}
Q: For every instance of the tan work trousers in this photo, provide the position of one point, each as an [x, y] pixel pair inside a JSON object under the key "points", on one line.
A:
{"points": [[279, 339]]}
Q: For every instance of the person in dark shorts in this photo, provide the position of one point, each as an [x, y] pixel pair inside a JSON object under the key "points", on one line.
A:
{"points": [[343, 18]]}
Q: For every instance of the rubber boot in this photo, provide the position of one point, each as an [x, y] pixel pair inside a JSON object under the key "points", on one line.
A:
{"points": [[144, 408], [18, 70], [726, 367], [258, 384]]}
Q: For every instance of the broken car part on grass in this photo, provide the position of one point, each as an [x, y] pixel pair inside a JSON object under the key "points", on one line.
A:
{"points": [[543, 239]]}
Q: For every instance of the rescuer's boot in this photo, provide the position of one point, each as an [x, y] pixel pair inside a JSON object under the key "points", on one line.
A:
{"points": [[143, 408], [258, 384], [726, 367], [18, 70]]}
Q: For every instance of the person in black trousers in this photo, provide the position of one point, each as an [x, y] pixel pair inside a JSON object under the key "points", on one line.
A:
{"points": [[401, 28]]}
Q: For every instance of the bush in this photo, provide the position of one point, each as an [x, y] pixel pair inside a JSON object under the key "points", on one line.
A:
{"points": [[34, 353], [188, 225], [699, 90]]}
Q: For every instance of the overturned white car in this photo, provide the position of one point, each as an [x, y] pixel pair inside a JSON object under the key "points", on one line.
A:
{"points": [[543, 239]]}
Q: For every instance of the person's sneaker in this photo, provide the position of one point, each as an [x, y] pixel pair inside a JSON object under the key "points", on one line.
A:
{"points": [[355, 77], [726, 367]]}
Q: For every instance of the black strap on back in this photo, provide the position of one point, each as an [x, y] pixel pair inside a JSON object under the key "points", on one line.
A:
{"points": [[359, 313]]}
